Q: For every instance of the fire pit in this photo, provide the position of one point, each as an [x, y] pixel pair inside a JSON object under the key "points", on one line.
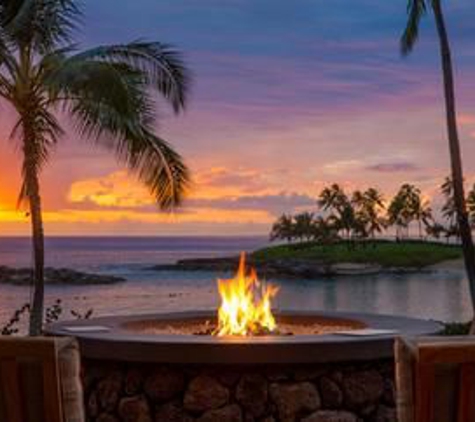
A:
{"points": [[243, 363]]}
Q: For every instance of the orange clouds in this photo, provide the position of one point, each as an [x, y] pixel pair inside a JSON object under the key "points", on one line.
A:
{"points": [[114, 190]]}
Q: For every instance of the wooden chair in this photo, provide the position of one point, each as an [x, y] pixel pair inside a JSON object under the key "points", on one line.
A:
{"points": [[40, 380], [435, 378]]}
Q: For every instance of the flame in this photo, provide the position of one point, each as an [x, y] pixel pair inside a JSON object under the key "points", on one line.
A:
{"points": [[245, 304]]}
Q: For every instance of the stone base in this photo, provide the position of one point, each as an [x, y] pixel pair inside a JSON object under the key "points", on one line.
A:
{"points": [[340, 392]]}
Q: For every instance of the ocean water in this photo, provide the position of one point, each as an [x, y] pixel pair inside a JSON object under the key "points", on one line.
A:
{"points": [[441, 295]]}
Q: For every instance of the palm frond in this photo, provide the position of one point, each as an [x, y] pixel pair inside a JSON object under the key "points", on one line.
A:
{"points": [[41, 24], [161, 65], [110, 106], [415, 9]]}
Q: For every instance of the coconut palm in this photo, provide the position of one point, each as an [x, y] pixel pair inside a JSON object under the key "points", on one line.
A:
{"points": [[342, 214], [449, 210], [369, 205], [416, 10], [471, 205], [106, 93], [303, 225], [283, 228], [400, 210]]}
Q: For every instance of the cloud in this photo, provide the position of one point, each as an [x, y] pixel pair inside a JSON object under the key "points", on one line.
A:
{"points": [[393, 167]]}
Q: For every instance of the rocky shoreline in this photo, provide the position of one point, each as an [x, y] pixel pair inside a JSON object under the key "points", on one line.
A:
{"points": [[291, 268], [22, 277]]}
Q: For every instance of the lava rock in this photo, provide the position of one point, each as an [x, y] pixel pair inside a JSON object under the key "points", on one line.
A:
{"points": [[133, 382], [164, 384], [251, 393], [231, 413], [294, 400], [108, 391], [134, 409], [362, 388], [105, 417], [205, 393], [172, 412], [22, 276], [385, 414], [331, 416], [331, 394]]}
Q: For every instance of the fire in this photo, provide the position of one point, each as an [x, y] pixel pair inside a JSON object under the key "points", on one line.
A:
{"points": [[245, 304]]}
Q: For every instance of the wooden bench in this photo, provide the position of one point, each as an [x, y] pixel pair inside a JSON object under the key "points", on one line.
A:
{"points": [[40, 380], [435, 378]]}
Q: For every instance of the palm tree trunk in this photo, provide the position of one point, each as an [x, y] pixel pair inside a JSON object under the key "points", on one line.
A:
{"points": [[455, 154], [34, 199]]}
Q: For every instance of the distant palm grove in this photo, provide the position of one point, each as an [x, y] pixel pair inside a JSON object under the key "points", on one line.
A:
{"points": [[367, 214]]}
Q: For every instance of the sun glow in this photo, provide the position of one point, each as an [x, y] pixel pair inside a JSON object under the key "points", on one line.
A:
{"points": [[245, 304]]}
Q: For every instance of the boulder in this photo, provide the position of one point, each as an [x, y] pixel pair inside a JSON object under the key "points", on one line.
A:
{"points": [[164, 384], [205, 393], [231, 413], [251, 393], [134, 409], [294, 400], [362, 388]]}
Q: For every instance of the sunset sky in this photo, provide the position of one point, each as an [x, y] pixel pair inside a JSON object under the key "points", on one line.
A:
{"points": [[288, 96]]}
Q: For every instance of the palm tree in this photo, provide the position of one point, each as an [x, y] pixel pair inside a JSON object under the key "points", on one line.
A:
{"points": [[369, 205], [449, 210], [304, 225], [416, 10], [342, 214], [471, 205], [401, 209], [283, 228], [106, 93]]}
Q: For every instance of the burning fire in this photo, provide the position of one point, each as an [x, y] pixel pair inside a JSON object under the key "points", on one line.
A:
{"points": [[245, 304]]}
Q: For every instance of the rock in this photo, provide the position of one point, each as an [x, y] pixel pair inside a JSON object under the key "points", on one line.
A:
{"points": [[92, 405], [330, 393], [389, 392], [108, 391], [385, 414], [105, 417], [331, 416], [133, 382], [205, 393], [164, 384], [293, 401], [251, 393], [172, 412], [22, 276], [134, 409], [362, 388], [231, 413]]}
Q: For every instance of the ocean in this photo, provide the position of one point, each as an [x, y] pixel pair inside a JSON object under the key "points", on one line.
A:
{"points": [[441, 295]]}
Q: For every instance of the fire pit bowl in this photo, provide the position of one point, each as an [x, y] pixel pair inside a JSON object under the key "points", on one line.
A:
{"points": [[156, 368], [309, 337]]}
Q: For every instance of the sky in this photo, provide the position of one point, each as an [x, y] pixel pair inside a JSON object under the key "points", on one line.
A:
{"points": [[287, 97]]}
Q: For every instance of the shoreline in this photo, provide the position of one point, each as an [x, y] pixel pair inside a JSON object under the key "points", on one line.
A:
{"points": [[301, 268], [56, 276]]}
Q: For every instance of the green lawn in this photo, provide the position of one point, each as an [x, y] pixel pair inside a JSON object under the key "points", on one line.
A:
{"points": [[385, 253]]}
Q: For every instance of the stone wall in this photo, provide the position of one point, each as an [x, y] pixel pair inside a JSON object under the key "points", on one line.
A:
{"points": [[351, 392]]}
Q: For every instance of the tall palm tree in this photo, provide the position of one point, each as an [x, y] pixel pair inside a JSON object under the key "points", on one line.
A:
{"points": [[105, 92], [416, 10], [449, 210], [471, 205], [369, 205], [304, 225], [283, 228]]}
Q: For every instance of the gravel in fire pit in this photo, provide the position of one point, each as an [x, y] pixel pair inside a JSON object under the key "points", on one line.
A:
{"points": [[285, 327]]}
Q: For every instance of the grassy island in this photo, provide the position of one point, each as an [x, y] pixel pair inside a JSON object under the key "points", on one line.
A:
{"points": [[380, 252]]}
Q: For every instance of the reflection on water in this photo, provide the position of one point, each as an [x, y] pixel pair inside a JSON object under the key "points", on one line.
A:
{"points": [[442, 295]]}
